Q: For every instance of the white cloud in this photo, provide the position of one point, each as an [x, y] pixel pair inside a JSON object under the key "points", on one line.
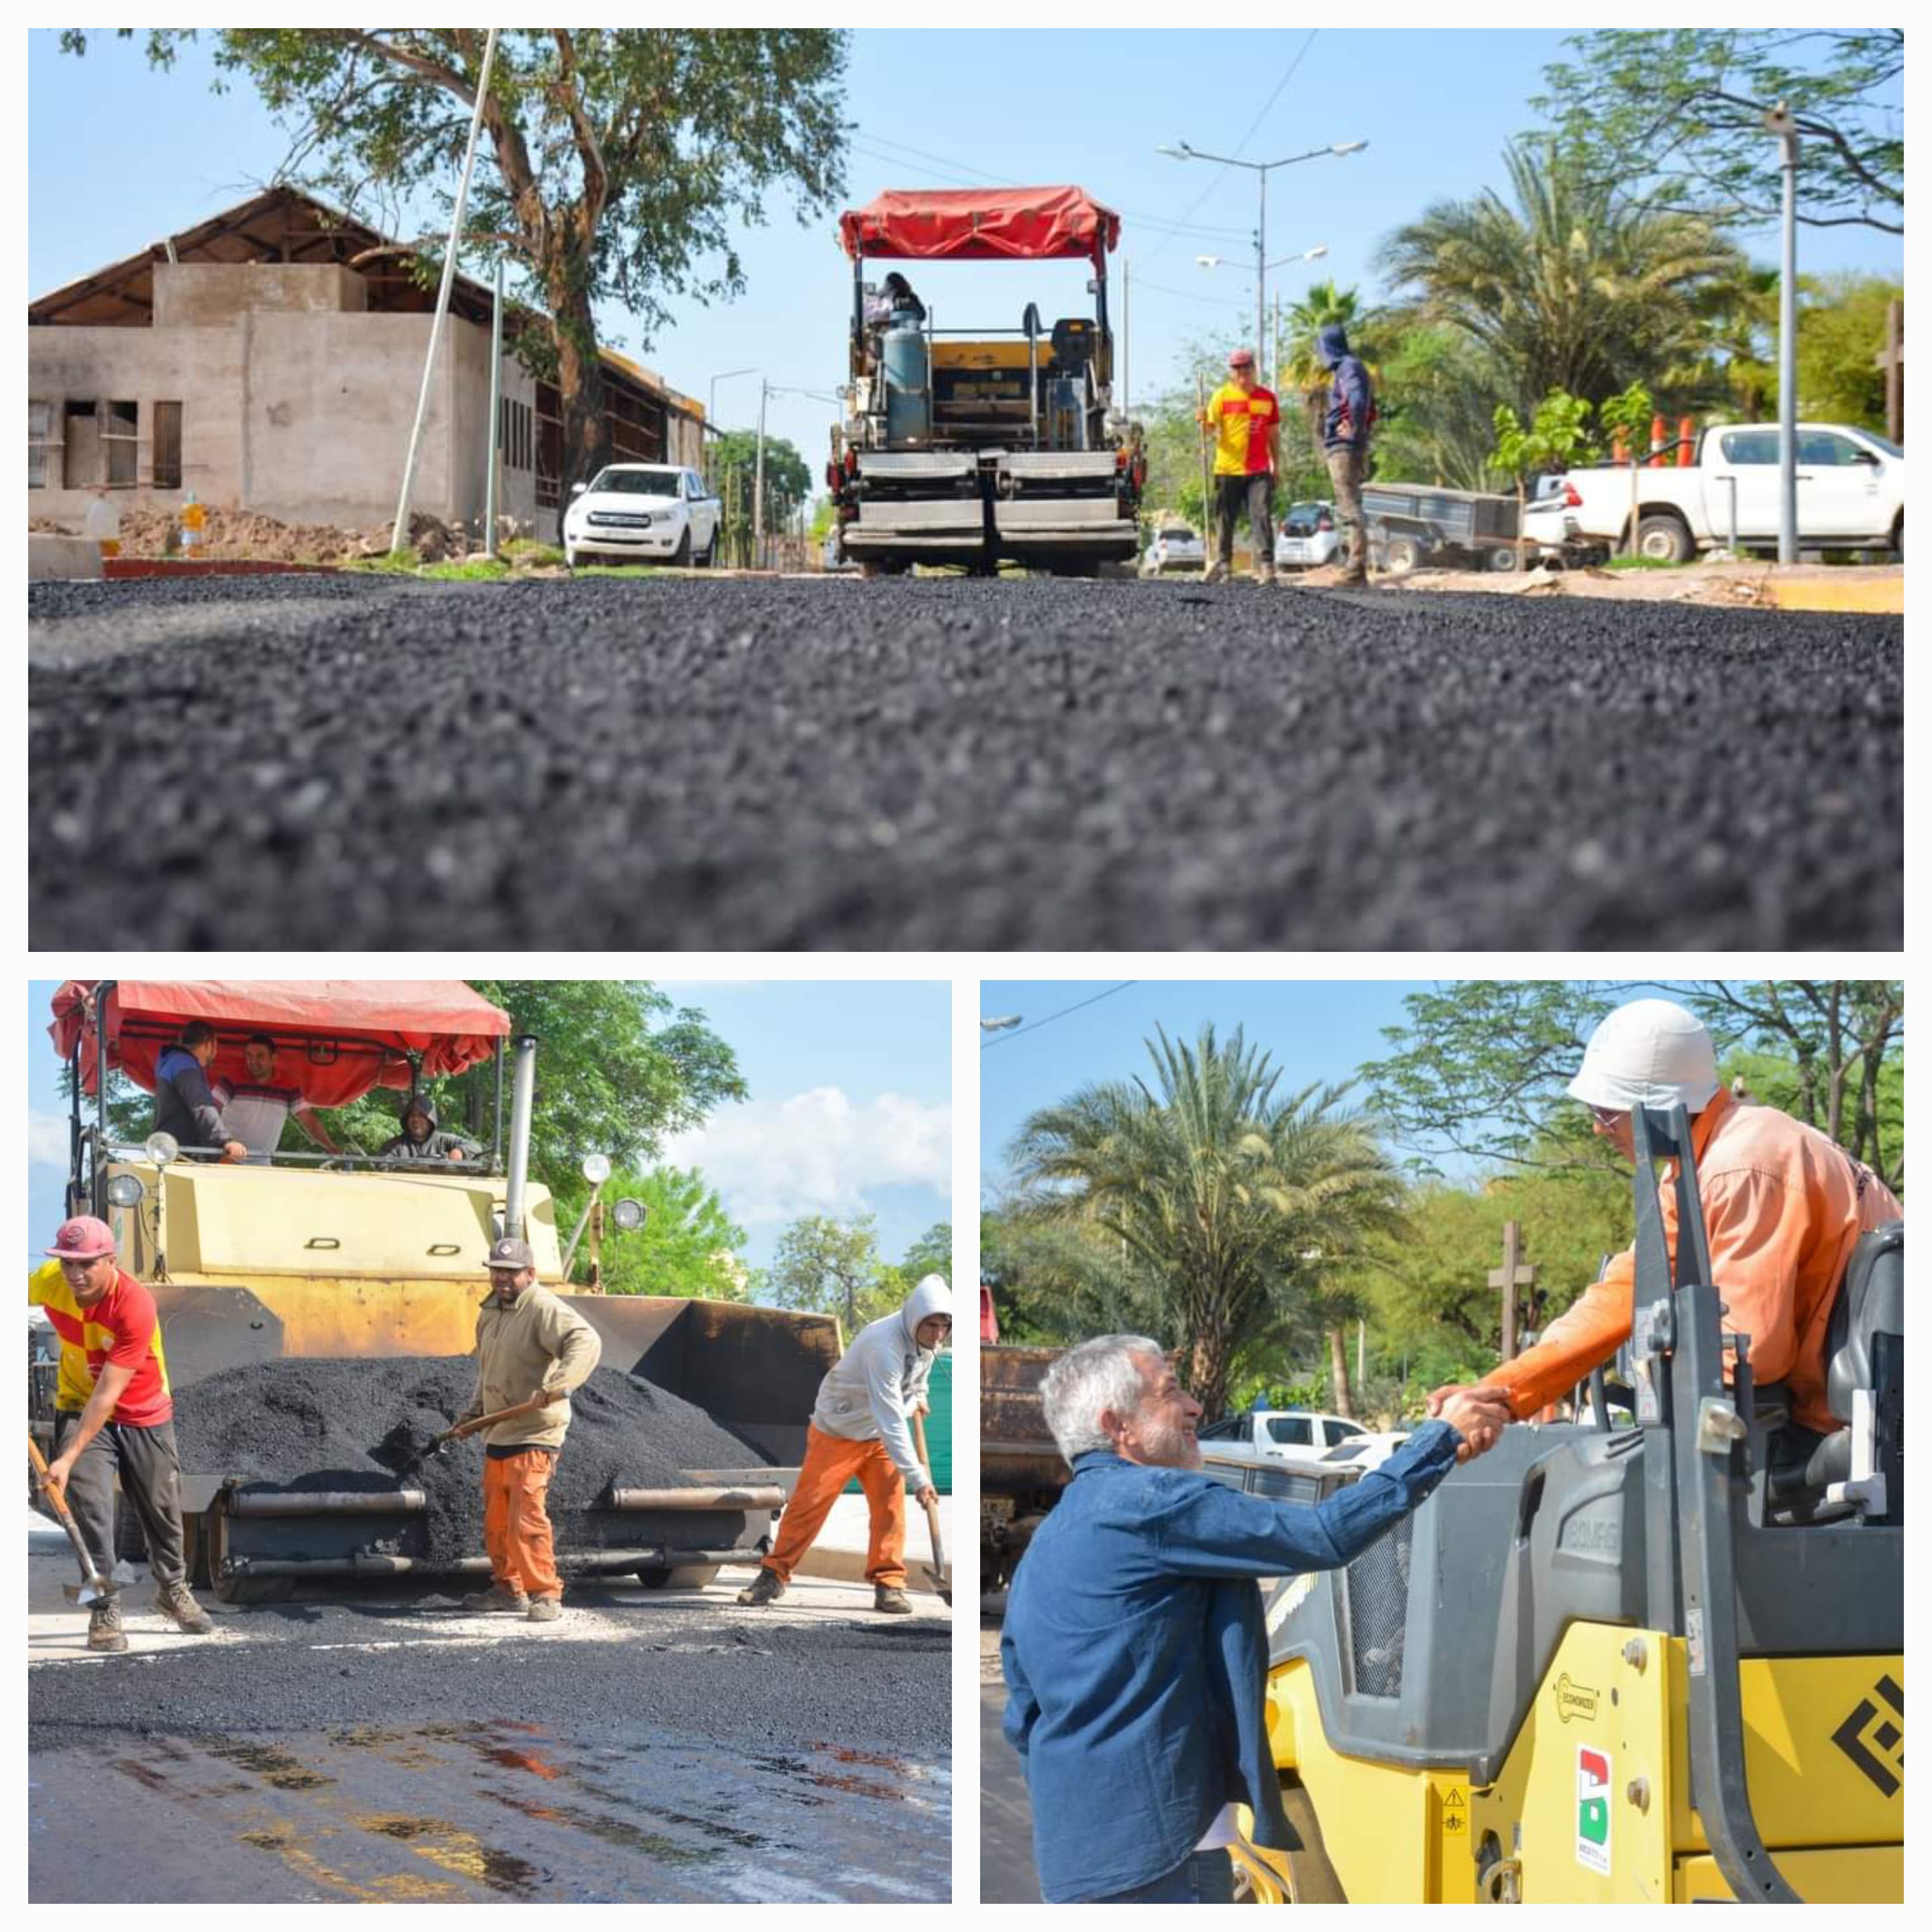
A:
{"points": [[816, 1153], [47, 1140]]}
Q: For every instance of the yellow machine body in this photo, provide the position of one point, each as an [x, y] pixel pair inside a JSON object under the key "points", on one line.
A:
{"points": [[1592, 1806]]}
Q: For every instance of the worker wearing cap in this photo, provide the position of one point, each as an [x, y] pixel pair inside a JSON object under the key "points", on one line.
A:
{"points": [[114, 1417], [1246, 420], [528, 1345], [860, 1427], [1783, 1206], [1247, 455]]}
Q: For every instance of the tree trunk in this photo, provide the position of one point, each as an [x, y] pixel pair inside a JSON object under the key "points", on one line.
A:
{"points": [[580, 388], [1338, 1364], [1208, 1363]]}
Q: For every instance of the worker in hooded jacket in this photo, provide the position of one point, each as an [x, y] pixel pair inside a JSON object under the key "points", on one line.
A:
{"points": [[860, 1427], [1784, 1207]]}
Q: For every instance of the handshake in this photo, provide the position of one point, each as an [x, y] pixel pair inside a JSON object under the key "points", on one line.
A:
{"points": [[1478, 1415]]}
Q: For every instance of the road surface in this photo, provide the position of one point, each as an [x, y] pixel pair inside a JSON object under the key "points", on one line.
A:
{"points": [[330, 763]]}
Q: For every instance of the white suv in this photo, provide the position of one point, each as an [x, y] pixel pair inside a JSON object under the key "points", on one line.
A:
{"points": [[642, 512]]}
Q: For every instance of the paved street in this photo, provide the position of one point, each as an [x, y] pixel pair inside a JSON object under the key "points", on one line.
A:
{"points": [[354, 763]]}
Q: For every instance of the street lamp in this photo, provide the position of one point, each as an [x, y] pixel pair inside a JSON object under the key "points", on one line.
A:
{"points": [[711, 418], [1181, 151], [1780, 122]]}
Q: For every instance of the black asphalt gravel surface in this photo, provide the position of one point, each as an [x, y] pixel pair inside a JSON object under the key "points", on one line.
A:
{"points": [[941, 763], [316, 1422], [347, 1750]]}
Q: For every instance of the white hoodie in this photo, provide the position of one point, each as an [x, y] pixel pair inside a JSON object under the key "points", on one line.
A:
{"points": [[881, 1378]]}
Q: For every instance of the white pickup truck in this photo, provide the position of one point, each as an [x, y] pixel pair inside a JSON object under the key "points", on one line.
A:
{"points": [[1851, 494]]}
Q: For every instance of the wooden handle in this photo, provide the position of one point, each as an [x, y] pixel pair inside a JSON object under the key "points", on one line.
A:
{"points": [[476, 1423]]}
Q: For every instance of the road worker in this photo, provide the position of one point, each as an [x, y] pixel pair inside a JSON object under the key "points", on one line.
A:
{"points": [[114, 1419], [528, 1345], [860, 1427], [1783, 1206]]}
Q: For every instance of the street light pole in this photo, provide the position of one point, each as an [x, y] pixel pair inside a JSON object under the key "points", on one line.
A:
{"points": [[758, 487], [1781, 122]]}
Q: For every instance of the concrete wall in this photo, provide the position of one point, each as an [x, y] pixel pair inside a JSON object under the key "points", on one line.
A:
{"points": [[296, 402], [189, 295]]}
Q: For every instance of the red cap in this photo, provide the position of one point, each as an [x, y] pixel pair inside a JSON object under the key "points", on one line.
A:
{"points": [[1241, 358], [82, 1239]]}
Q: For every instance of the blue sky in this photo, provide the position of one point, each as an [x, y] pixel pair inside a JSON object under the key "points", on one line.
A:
{"points": [[1317, 1030], [850, 1108], [1436, 108]]}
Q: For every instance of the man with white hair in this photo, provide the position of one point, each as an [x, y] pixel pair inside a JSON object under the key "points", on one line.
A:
{"points": [[1135, 1648], [1783, 1206]]}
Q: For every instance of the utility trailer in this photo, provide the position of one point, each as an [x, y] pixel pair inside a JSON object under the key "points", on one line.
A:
{"points": [[1414, 525], [972, 447], [305, 1256]]}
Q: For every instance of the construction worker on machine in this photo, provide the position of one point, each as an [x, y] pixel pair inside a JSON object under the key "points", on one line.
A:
{"points": [[114, 1419], [531, 1352], [422, 1139], [1784, 1205], [860, 1427]]}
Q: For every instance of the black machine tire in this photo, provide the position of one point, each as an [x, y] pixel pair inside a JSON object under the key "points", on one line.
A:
{"points": [[1502, 558], [1663, 538], [680, 1577], [1401, 555], [680, 558]]}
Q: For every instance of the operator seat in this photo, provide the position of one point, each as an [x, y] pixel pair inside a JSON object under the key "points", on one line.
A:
{"points": [[1076, 339], [1864, 1356]]}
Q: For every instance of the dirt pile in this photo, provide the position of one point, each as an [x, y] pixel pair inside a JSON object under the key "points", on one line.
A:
{"points": [[324, 1424], [242, 535]]}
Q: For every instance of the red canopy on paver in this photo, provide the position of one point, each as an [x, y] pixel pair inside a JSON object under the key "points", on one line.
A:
{"points": [[1024, 224], [338, 1038]]}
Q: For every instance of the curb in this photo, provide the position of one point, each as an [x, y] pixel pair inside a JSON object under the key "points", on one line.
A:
{"points": [[1886, 597], [117, 567], [52, 559]]}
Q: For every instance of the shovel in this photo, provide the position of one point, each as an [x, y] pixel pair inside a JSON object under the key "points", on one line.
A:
{"points": [[94, 1586], [936, 1570], [438, 1443]]}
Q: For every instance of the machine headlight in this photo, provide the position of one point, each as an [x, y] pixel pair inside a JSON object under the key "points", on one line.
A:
{"points": [[629, 1215], [161, 1148], [125, 1190], [596, 1168]]}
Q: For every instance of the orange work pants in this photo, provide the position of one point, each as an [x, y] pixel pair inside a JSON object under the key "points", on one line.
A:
{"points": [[830, 1462], [516, 1525]]}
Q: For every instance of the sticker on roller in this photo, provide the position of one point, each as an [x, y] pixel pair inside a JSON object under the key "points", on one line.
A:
{"points": [[1593, 1809]]}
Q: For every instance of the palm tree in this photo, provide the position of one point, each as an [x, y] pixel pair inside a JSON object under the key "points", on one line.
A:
{"points": [[1225, 1193], [1574, 288]]}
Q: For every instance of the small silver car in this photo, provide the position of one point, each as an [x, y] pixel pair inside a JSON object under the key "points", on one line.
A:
{"points": [[1307, 538]]}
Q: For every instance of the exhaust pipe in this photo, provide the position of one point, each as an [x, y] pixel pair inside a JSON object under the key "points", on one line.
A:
{"points": [[521, 1094]]}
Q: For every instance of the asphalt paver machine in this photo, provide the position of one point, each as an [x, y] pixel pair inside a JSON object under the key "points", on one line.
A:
{"points": [[971, 446], [348, 1257], [1652, 1663]]}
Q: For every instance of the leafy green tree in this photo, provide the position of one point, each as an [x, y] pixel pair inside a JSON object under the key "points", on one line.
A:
{"points": [[1573, 287], [734, 466], [615, 164], [1436, 404], [930, 1254], [1680, 113], [1230, 1196], [689, 1246], [830, 1266], [1556, 439], [1841, 329]]}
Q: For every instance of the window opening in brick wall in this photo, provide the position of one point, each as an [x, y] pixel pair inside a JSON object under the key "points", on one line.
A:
{"points": [[120, 435], [80, 447], [167, 446], [515, 434], [40, 431], [549, 446]]}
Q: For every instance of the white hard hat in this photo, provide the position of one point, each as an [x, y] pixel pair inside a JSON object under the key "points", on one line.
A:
{"points": [[1651, 1053]]}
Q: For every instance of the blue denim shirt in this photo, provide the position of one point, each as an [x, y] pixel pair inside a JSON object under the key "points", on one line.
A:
{"points": [[1135, 1654]]}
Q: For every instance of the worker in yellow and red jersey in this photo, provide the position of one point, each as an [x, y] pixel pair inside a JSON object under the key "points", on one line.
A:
{"points": [[1246, 420], [1783, 1206], [114, 1417]]}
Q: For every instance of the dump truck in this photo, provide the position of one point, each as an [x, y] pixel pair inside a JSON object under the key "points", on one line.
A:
{"points": [[969, 446], [1020, 1471], [1634, 1664], [315, 1255]]}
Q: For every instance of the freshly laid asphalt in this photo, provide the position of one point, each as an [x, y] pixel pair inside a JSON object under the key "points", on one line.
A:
{"points": [[329, 763], [652, 1747]]}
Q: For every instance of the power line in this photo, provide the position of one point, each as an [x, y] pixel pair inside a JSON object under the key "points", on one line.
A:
{"points": [[1000, 1040], [1214, 180]]}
